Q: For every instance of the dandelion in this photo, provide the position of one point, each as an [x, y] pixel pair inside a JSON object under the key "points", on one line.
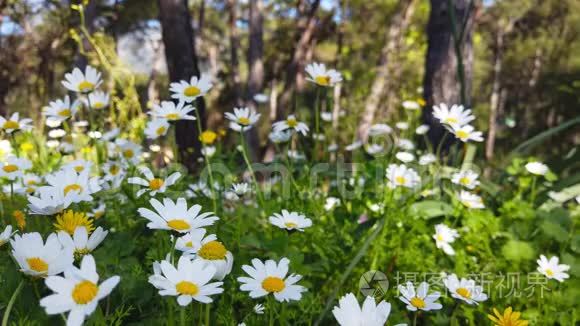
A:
{"points": [[444, 236], [270, 278], [420, 299], [537, 168], [78, 291], [291, 123], [242, 119], [70, 220], [171, 112], [176, 216], [465, 178], [208, 137], [552, 269], [321, 76], [464, 289], [290, 221], [152, 184], [187, 92], [78, 82], [349, 313], [61, 109], [188, 282], [508, 318], [402, 176], [20, 219], [40, 259]]}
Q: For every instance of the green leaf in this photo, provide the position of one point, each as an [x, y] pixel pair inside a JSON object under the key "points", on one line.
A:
{"points": [[541, 137], [518, 251], [431, 208], [554, 231]]}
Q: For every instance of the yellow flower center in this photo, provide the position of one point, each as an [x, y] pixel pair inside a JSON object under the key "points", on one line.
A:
{"points": [[322, 80], [464, 181], [70, 220], [273, 284], [86, 86], [160, 131], [114, 169], [11, 125], [156, 184], [179, 225], [418, 303], [451, 120], [292, 122], [9, 168], [99, 214], [244, 121], [37, 264], [290, 225], [128, 153], [189, 244], [462, 134], [98, 105], [187, 288], [84, 292], [549, 272], [208, 137], [464, 293], [80, 253], [26, 147], [439, 237], [213, 250], [73, 187], [79, 168], [191, 91], [400, 180], [65, 113], [172, 116]]}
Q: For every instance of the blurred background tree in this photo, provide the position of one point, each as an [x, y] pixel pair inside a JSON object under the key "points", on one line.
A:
{"points": [[521, 64]]}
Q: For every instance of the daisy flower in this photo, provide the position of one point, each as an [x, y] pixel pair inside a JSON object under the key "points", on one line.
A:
{"points": [[349, 313], [331, 203], [406, 144], [292, 124], [355, 145], [171, 112], [420, 299], [156, 128], [176, 216], [14, 123], [402, 125], [319, 75], [261, 98], [552, 269], [114, 172], [98, 100], [70, 183], [241, 188], [454, 116], [187, 282], [184, 91], [82, 83], [98, 211], [422, 129], [270, 277], [290, 221], [507, 318], [464, 289], [259, 309], [61, 110], [40, 259], [411, 105], [405, 157], [80, 243], [79, 165], [374, 149], [326, 116], [78, 291], [402, 176], [537, 168], [471, 200], [208, 151], [13, 167], [152, 184], [6, 235], [444, 236], [466, 178], [49, 201], [242, 119], [427, 159], [466, 133], [379, 129], [128, 150], [207, 249]]}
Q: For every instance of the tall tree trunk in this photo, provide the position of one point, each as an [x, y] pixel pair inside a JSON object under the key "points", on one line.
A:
{"points": [[442, 83], [181, 58], [256, 68], [495, 96], [307, 27], [234, 45], [399, 24]]}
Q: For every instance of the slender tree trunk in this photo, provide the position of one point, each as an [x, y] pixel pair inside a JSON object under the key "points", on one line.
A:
{"points": [[441, 82], [256, 68], [181, 57], [234, 45], [399, 24], [495, 96]]}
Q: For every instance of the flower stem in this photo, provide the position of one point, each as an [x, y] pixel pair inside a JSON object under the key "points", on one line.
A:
{"points": [[11, 303], [208, 164], [207, 308], [182, 316], [249, 164]]}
